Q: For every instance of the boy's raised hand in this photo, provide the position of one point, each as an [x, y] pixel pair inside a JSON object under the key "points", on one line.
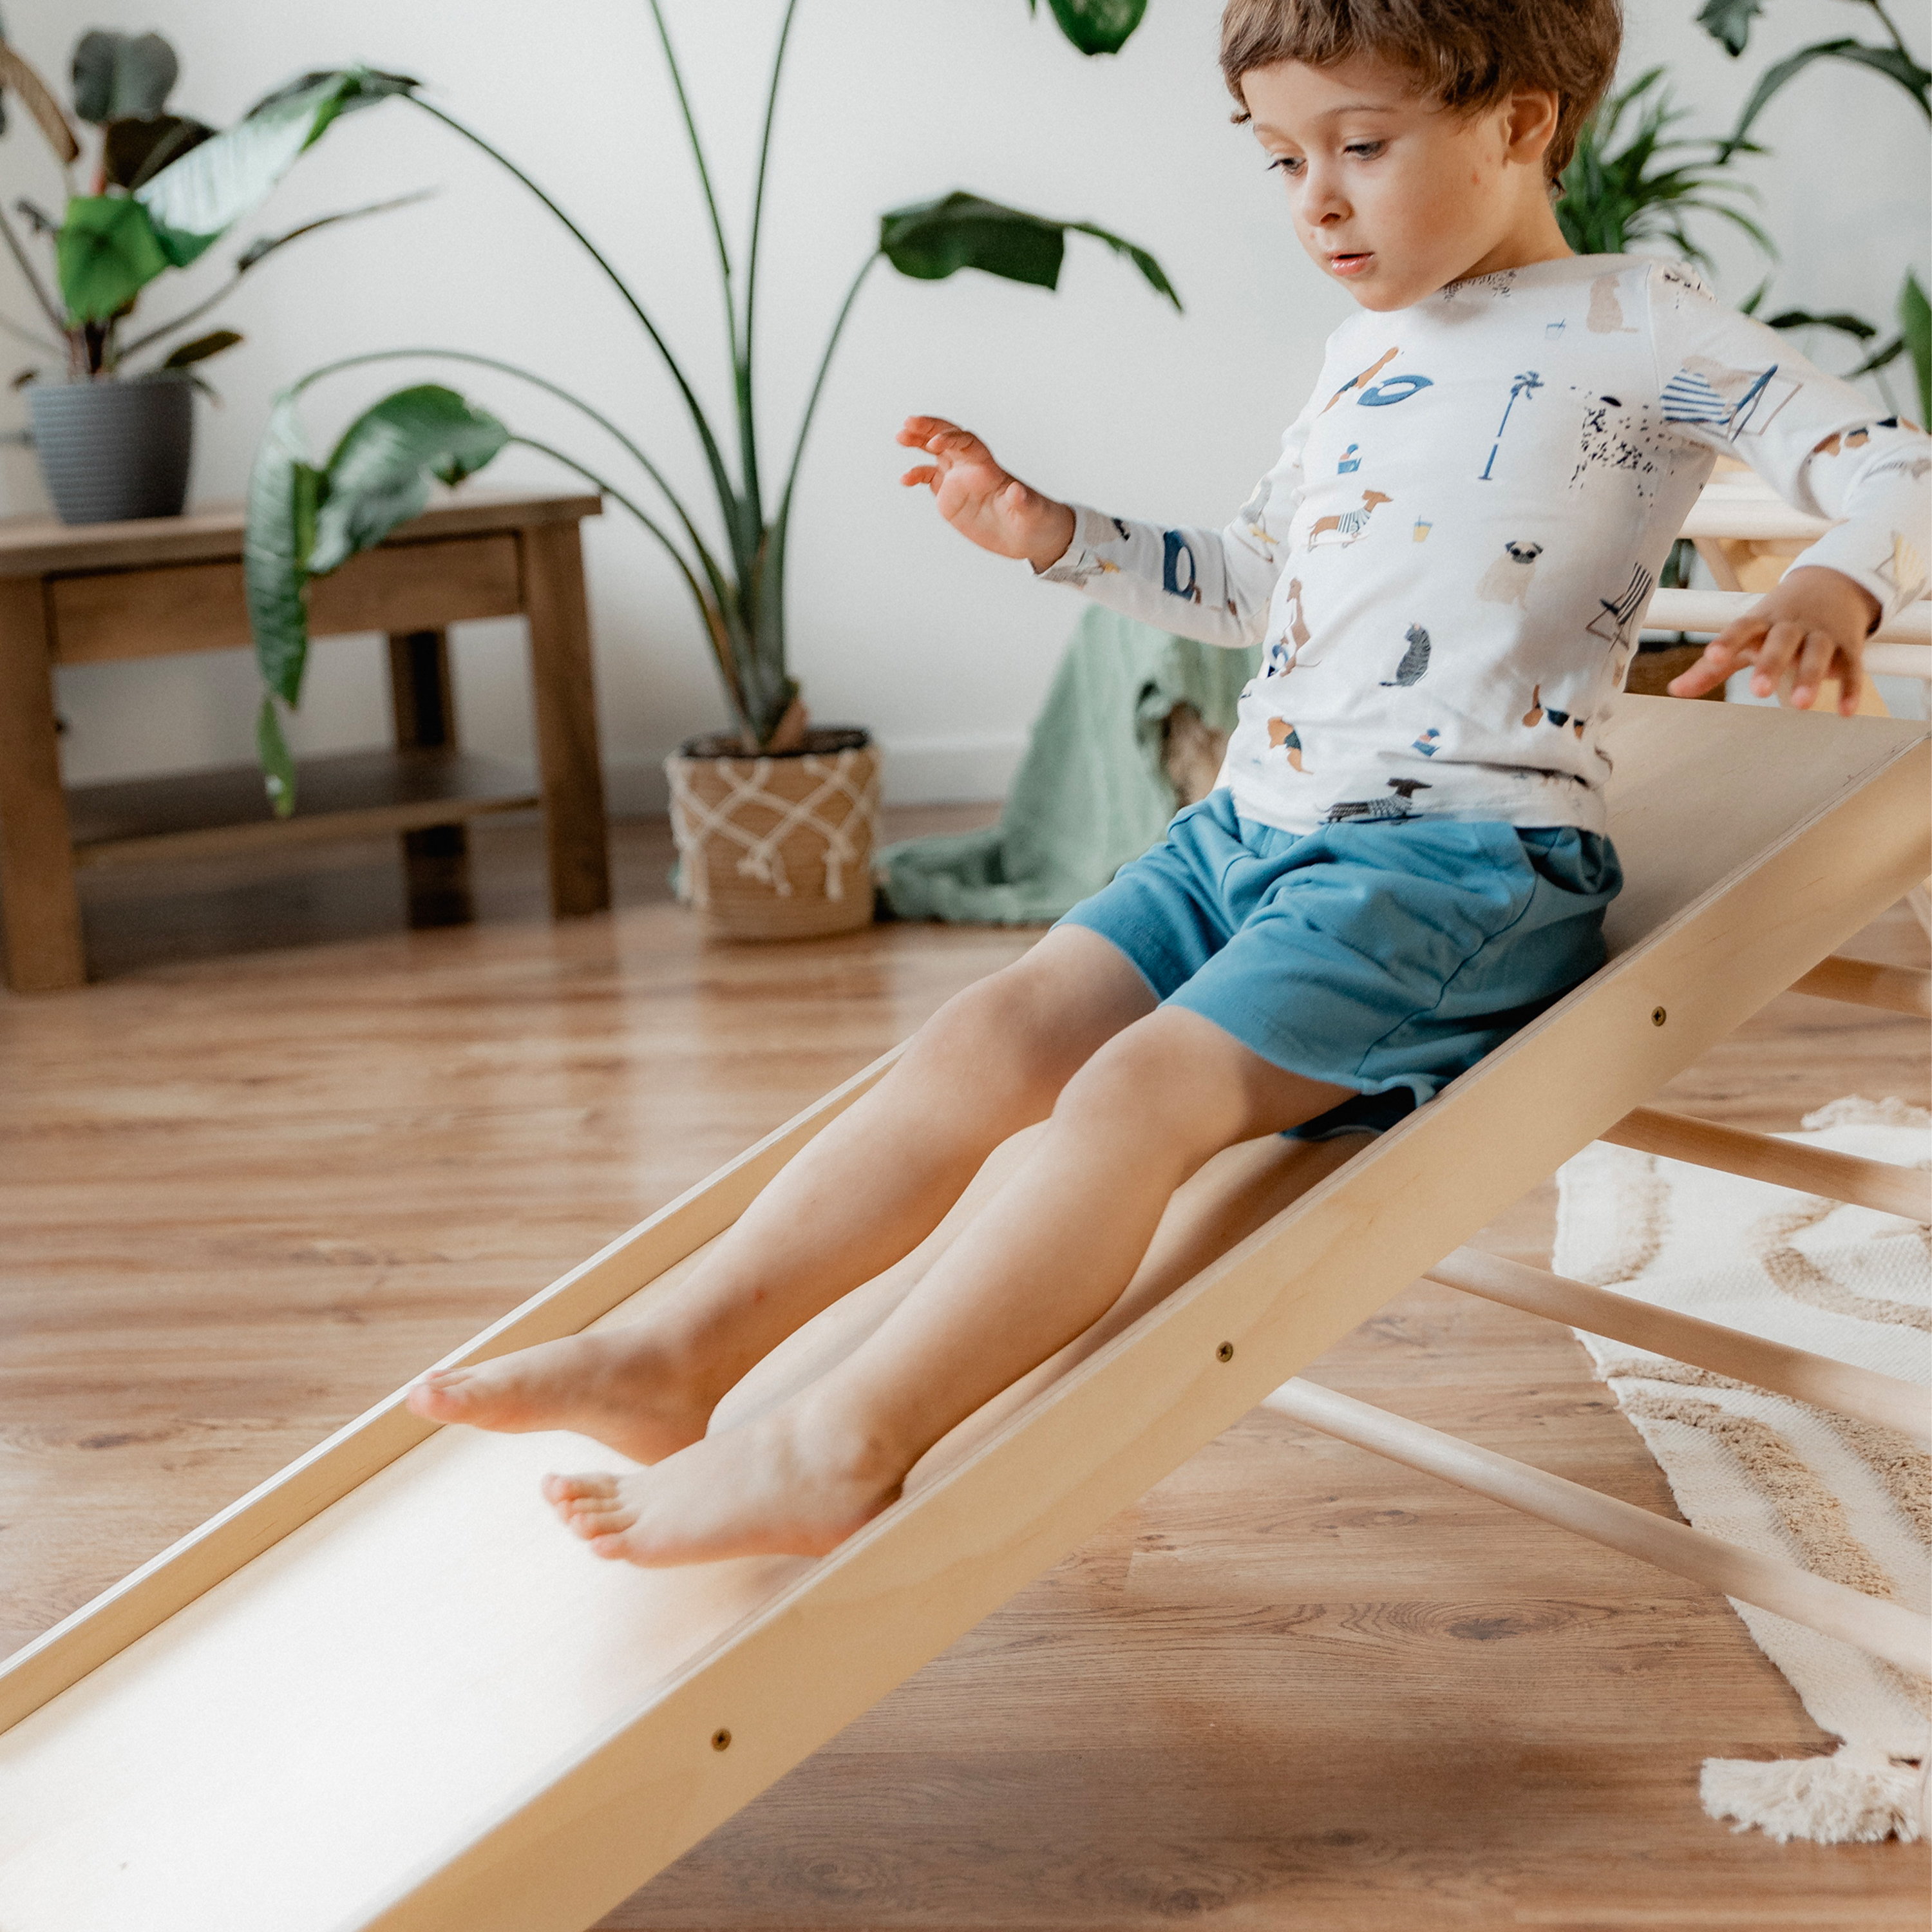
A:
{"points": [[978, 499], [1811, 627]]}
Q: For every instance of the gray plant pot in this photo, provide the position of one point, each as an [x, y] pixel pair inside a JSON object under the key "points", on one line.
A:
{"points": [[112, 449]]}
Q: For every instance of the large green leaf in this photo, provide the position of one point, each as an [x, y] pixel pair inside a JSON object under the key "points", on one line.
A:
{"points": [[138, 146], [380, 473], [304, 522], [1096, 26], [214, 342], [118, 74], [932, 240], [1914, 324], [20, 76], [1841, 322], [371, 86], [1729, 21], [194, 200], [284, 491], [106, 252], [1916, 80]]}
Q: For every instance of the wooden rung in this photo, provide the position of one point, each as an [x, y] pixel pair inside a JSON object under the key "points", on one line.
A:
{"points": [[1838, 1386], [1900, 661], [1838, 1177], [1865, 982], [1885, 1629], [1714, 610]]}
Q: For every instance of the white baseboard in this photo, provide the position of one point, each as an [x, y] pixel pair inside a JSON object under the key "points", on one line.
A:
{"points": [[971, 768]]}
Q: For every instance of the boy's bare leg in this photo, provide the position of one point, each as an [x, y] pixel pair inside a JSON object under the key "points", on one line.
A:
{"points": [[863, 1193], [1046, 1257]]}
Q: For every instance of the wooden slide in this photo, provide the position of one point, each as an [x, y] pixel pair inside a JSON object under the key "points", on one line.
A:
{"points": [[387, 1690]]}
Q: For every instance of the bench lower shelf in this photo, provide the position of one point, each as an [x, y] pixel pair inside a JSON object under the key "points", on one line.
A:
{"points": [[356, 794]]}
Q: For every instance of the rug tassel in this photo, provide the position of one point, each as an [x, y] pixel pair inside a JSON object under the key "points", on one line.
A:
{"points": [[1853, 1797]]}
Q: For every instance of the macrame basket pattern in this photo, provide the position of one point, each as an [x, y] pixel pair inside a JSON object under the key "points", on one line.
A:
{"points": [[776, 848]]}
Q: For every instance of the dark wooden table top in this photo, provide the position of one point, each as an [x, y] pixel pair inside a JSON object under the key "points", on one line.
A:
{"points": [[41, 546]]}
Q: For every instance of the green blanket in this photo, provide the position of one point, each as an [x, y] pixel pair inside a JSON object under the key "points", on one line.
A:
{"points": [[1091, 794]]}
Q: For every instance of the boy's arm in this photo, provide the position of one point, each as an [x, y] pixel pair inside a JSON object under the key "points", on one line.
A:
{"points": [[1737, 387], [1212, 585]]}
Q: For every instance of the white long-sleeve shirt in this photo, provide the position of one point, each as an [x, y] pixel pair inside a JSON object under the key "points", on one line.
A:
{"points": [[1450, 563]]}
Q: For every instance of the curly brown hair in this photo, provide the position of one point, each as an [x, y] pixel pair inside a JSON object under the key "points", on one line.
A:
{"points": [[1467, 54]]}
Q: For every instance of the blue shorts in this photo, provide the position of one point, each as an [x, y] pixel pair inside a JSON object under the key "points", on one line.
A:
{"points": [[1384, 958]]}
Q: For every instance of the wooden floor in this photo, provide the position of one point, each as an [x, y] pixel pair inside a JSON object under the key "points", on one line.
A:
{"points": [[286, 1153]]}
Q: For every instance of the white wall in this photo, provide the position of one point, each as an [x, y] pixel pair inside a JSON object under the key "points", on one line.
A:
{"points": [[1099, 391]]}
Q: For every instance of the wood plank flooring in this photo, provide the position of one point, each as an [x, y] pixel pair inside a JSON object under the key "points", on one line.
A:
{"points": [[286, 1152]]}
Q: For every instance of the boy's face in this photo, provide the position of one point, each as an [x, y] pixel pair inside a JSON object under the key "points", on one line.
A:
{"points": [[1394, 196]]}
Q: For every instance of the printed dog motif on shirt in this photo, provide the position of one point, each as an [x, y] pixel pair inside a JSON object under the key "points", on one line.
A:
{"points": [[1281, 660], [1381, 810], [1851, 439], [1508, 579], [1414, 660], [1737, 402], [1607, 311], [1351, 526], [1612, 435], [1282, 735]]}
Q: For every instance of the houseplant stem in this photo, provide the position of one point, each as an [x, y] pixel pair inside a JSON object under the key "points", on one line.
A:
{"points": [[720, 477], [706, 561], [703, 177], [871, 262], [705, 610], [747, 434]]}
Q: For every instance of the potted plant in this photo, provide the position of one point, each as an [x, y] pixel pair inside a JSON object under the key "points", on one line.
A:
{"points": [[773, 818], [111, 409]]}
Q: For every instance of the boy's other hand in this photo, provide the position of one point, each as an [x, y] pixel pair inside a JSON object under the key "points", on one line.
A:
{"points": [[978, 499], [1812, 626]]}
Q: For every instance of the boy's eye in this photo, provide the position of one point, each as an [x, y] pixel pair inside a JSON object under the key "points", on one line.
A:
{"points": [[1366, 150], [1289, 164]]}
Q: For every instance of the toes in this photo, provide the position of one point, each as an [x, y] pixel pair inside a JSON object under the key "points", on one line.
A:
{"points": [[439, 1395], [574, 1488]]}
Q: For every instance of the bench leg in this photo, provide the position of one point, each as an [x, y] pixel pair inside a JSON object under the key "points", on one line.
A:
{"points": [[569, 772], [437, 859], [37, 890]]}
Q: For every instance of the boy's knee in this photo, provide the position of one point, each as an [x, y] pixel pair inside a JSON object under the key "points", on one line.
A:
{"points": [[1144, 1076], [997, 1034]]}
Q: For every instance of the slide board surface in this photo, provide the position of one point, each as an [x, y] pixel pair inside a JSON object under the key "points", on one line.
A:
{"points": [[424, 1705]]}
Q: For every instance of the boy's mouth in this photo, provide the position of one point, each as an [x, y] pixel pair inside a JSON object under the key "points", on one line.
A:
{"points": [[1344, 263]]}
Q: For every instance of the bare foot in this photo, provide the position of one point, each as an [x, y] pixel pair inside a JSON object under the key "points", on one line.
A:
{"points": [[793, 1483], [616, 1387]]}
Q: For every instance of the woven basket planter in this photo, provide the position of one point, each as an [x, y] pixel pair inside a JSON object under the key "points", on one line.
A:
{"points": [[776, 848]]}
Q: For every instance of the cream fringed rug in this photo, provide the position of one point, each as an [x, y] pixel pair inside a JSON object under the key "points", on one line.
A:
{"points": [[1847, 1499]]}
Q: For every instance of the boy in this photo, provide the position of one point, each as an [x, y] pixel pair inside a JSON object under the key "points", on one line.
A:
{"points": [[1406, 859]]}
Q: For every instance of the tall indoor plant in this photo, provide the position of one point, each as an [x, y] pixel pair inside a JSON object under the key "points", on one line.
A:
{"points": [[307, 518], [1728, 23], [111, 405]]}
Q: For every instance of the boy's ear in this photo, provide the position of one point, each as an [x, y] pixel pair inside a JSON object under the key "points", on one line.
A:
{"points": [[1529, 123]]}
